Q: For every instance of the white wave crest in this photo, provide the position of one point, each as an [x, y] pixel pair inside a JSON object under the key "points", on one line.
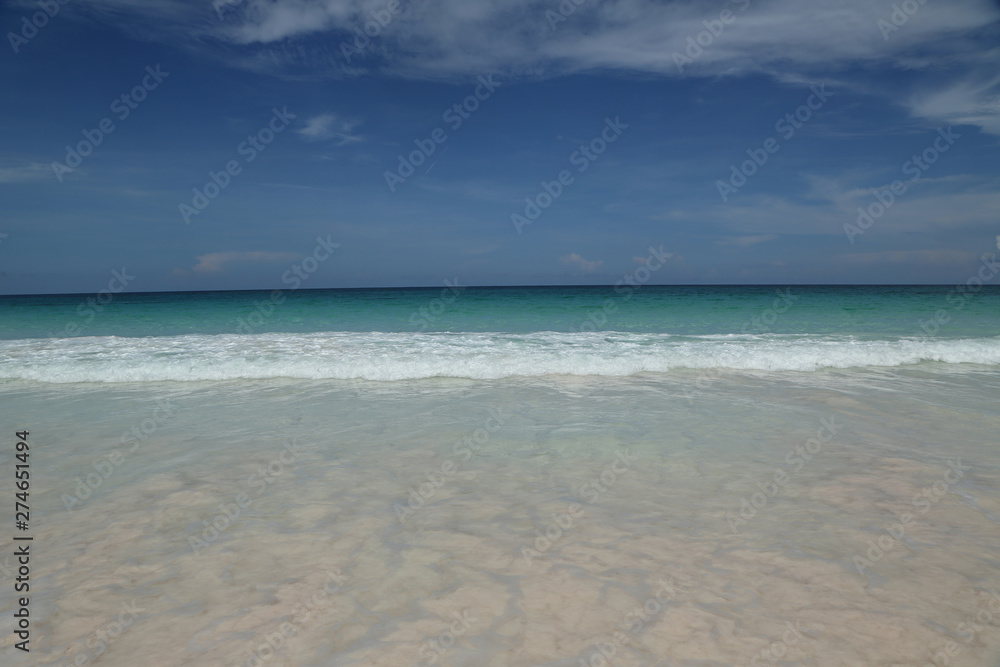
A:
{"points": [[402, 356]]}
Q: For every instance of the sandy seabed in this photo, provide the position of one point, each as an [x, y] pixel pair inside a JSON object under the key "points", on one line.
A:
{"points": [[841, 518]]}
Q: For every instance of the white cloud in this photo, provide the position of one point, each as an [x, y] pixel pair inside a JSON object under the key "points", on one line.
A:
{"points": [[746, 241], [216, 262], [329, 126], [28, 173], [928, 208], [275, 21], [585, 265], [790, 40], [970, 101], [915, 257]]}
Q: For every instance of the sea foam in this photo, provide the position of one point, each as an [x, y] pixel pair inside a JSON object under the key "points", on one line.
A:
{"points": [[407, 356]]}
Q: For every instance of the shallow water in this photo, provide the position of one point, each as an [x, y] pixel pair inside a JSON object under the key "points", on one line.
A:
{"points": [[552, 476], [658, 551]]}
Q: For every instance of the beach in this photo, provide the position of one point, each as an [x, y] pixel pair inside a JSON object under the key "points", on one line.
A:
{"points": [[517, 333], [226, 498]]}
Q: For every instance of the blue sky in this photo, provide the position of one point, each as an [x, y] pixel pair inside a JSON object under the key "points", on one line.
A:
{"points": [[672, 95]]}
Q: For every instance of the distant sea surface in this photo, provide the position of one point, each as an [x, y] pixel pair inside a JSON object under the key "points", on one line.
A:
{"points": [[503, 476]]}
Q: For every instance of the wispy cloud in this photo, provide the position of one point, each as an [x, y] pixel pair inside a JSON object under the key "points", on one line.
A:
{"points": [[788, 40], [746, 241], [28, 173], [217, 262], [329, 126], [915, 257], [971, 100], [585, 265]]}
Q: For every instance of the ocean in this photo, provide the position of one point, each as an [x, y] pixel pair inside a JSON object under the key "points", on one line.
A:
{"points": [[561, 476]]}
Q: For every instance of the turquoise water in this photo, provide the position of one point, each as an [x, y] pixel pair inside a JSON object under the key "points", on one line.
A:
{"points": [[503, 476], [489, 333], [865, 311]]}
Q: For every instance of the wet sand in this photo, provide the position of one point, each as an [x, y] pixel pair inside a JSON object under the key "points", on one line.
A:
{"points": [[836, 519]]}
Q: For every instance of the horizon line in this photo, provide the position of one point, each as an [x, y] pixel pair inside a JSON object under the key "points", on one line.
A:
{"points": [[426, 287]]}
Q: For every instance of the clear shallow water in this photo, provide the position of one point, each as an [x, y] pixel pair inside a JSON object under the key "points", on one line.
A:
{"points": [[425, 471]]}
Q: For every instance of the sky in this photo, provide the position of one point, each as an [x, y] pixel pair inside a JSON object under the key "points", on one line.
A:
{"points": [[161, 145]]}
